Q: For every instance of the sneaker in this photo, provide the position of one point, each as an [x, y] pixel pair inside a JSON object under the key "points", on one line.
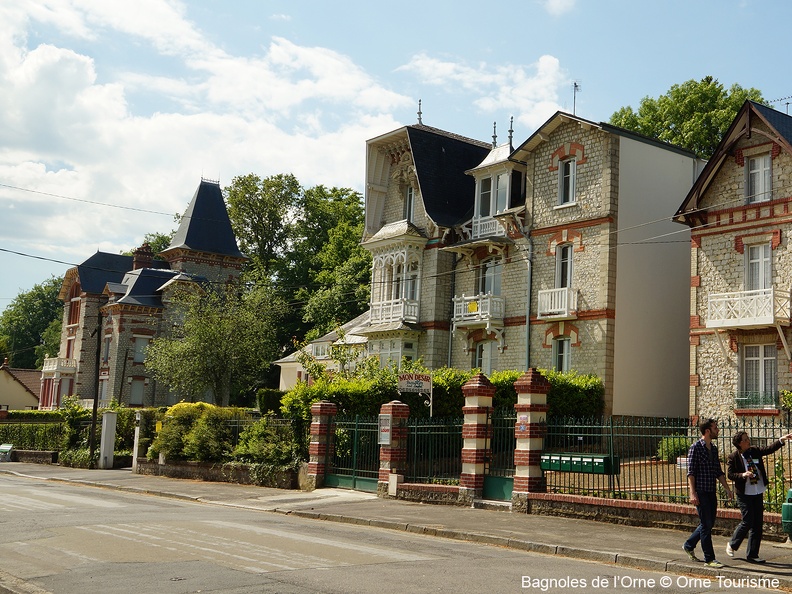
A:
{"points": [[729, 550], [691, 555], [714, 563], [754, 560]]}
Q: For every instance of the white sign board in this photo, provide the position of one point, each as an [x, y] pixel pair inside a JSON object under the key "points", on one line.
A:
{"points": [[415, 382], [385, 436]]}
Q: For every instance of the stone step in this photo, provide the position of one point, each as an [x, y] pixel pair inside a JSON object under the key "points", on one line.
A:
{"points": [[492, 504]]}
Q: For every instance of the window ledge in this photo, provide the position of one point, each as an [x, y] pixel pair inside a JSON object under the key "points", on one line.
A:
{"points": [[757, 412], [567, 205]]}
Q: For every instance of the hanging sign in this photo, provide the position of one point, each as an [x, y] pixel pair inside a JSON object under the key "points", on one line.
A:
{"points": [[415, 382]]}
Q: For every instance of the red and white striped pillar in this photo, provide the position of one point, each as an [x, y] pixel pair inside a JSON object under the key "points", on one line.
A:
{"points": [[530, 429], [476, 432]]}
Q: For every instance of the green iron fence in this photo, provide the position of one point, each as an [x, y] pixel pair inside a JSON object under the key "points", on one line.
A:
{"points": [[355, 456], [434, 450], [503, 442], [29, 435], [651, 456]]}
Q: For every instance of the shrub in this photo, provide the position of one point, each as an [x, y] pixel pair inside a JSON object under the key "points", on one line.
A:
{"points": [[269, 399], [673, 446], [78, 458], [177, 422], [75, 417], [505, 394], [270, 446], [574, 395], [209, 439]]}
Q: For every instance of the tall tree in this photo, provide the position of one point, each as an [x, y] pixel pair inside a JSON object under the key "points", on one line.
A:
{"points": [[260, 210], [224, 344], [24, 322], [694, 115]]}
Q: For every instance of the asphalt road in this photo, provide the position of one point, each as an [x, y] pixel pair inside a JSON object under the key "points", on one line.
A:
{"points": [[63, 538]]}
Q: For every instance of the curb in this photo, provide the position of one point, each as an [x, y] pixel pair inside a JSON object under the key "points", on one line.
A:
{"points": [[673, 566]]}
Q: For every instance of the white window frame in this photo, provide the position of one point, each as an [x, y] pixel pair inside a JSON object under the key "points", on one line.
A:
{"points": [[490, 275], [758, 267], [567, 181], [760, 368], [409, 203], [564, 266], [484, 197], [483, 356], [501, 193], [562, 354], [106, 348], [758, 178]]}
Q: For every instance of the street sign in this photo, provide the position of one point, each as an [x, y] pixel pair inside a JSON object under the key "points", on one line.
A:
{"points": [[385, 436], [415, 382]]}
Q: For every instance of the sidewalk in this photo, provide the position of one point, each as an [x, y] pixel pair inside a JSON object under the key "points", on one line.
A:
{"points": [[652, 549]]}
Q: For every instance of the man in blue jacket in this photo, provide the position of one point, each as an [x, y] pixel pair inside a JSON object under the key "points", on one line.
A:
{"points": [[704, 470]]}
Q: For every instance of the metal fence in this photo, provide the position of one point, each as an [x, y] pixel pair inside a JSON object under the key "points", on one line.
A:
{"points": [[30, 435], [652, 456], [503, 442], [434, 450], [355, 447]]}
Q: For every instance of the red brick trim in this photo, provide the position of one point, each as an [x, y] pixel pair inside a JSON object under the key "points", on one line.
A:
{"points": [[514, 321], [694, 380], [695, 241], [531, 407], [532, 382], [436, 325], [695, 322], [566, 150], [695, 339], [775, 239], [695, 281], [757, 412], [578, 225]]}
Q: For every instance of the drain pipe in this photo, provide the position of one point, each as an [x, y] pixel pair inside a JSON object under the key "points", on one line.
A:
{"points": [[450, 328], [529, 263]]}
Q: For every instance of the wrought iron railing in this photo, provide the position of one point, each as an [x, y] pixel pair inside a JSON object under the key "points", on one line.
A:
{"points": [[503, 442], [355, 447], [756, 399], [434, 450], [653, 456]]}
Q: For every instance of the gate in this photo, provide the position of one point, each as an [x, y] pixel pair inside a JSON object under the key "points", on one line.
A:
{"points": [[499, 476], [355, 457]]}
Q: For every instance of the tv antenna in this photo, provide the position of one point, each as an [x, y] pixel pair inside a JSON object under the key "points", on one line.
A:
{"points": [[575, 90]]}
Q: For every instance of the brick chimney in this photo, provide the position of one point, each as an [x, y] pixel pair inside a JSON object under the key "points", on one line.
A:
{"points": [[142, 257]]}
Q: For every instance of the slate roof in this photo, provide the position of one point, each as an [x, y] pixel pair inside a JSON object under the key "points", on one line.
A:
{"points": [[205, 226], [143, 286], [441, 159]]}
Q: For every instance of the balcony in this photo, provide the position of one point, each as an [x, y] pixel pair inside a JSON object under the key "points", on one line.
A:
{"points": [[59, 365], [395, 310], [478, 310], [486, 227], [761, 308], [558, 304], [756, 400]]}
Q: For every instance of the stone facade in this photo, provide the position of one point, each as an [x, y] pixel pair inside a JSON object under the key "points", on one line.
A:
{"points": [[739, 331]]}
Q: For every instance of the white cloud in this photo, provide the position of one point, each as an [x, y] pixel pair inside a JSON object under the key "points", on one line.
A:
{"points": [[528, 92], [559, 7]]}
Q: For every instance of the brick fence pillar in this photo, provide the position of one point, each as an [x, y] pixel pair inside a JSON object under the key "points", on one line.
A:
{"points": [[532, 388], [321, 447], [393, 458], [476, 431]]}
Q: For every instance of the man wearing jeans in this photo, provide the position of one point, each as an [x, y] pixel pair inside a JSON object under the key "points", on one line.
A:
{"points": [[704, 469]]}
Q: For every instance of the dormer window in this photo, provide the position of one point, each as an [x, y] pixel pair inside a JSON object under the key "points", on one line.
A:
{"points": [[566, 182], [409, 203], [492, 200], [759, 183]]}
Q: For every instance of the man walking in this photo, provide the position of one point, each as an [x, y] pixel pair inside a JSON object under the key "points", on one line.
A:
{"points": [[704, 469]]}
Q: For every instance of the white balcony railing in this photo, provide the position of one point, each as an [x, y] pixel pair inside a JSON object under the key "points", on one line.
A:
{"points": [[59, 365], [478, 308], [558, 303], [394, 310], [746, 309], [487, 227]]}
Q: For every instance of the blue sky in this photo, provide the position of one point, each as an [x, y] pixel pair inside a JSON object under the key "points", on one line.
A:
{"points": [[107, 104]]}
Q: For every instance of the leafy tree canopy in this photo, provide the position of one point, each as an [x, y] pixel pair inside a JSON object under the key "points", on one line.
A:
{"points": [[694, 115], [24, 322], [224, 344]]}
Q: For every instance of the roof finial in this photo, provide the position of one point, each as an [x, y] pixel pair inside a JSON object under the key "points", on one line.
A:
{"points": [[511, 131], [419, 112], [494, 134]]}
